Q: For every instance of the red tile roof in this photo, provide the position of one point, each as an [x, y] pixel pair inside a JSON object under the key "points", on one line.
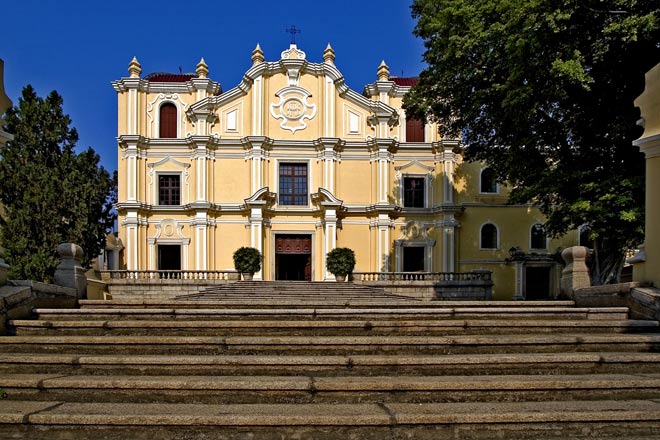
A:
{"points": [[406, 82], [170, 77]]}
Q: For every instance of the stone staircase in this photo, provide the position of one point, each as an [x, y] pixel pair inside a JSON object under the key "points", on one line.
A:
{"points": [[326, 361]]}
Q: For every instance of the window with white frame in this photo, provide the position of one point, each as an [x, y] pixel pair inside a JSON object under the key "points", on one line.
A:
{"points": [[169, 189], [414, 191], [293, 184], [168, 120]]}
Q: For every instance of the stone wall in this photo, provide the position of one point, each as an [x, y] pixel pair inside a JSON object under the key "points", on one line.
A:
{"points": [[19, 298]]}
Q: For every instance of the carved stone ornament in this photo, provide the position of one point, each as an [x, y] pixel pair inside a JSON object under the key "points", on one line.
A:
{"points": [[293, 108]]}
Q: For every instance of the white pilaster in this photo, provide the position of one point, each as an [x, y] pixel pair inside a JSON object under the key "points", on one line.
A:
{"points": [[449, 159], [257, 98], [256, 234], [383, 176], [132, 112], [131, 223], [448, 249], [202, 179], [329, 122], [330, 241], [520, 272], [383, 246], [201, 240]]}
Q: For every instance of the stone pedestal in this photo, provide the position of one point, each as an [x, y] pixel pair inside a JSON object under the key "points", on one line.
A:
{"points": [[576, 274], [70, 273]]}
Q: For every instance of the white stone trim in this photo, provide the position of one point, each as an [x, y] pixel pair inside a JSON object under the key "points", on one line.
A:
{"points": [[650, 146], [153, 174]]}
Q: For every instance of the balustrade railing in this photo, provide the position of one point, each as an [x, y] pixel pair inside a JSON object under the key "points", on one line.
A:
{"points": [[477, 275], [171, 274]]}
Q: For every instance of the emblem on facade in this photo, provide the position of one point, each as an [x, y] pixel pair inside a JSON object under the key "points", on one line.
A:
{"points": [[292, 108]]}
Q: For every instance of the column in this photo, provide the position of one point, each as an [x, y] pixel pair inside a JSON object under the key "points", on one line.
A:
{"points": [[520, 272], [131, 224], [256, 234], [330, 233], [201, 172], [448, 248], [383, 243], [200, 224]]}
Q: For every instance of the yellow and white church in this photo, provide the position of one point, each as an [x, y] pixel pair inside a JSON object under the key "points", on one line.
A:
{"points": [[293, 162]]}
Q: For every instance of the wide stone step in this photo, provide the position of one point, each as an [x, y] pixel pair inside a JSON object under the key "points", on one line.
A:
{"points": [[332, 345], [319, 389], [250, 301], [633, 419], [374, 326], [505, 313], [391, 365]]}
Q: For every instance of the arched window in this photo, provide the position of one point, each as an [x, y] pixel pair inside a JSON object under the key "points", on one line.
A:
{"points": [[168, 120], [489, 236], [538, 239], [488, 183]]}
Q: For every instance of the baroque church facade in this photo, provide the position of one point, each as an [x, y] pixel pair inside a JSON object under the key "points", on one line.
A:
{"points": [[293, 162]]}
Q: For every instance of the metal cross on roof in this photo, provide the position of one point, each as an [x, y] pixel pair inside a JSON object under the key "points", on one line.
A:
{"points": [[293, 30]]}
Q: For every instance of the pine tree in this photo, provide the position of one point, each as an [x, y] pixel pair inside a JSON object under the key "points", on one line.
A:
{"points": [[50, 194]]}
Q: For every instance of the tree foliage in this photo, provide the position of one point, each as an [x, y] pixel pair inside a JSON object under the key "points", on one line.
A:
{"points": [[542, 91], [50, 193]]}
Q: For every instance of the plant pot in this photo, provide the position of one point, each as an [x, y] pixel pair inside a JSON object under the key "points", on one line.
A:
{"points": [[340, 278], [247, 276]]}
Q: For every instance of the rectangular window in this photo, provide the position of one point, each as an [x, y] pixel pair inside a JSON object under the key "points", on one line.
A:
{"points": [[169, 189], [414, 130], [413, 192], [293, 184]]}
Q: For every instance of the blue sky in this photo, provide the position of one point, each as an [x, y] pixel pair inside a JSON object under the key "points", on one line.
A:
{"points": [[79, 47]]}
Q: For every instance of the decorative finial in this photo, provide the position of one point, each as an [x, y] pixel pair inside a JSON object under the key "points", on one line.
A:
{"points": [[383, 71], [293, 30], [257, 55], [134, 68], [202, 69], [329, 55]]}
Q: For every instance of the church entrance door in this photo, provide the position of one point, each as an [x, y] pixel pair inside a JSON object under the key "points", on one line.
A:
{"points": [[293, 257], [537, 282]]}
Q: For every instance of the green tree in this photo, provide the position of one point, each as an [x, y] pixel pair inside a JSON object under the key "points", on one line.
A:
{"points": [[542, 91], [50, 194]]}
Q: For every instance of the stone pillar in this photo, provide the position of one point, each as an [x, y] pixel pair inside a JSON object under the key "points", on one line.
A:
{"points": [[256, 234], [4, 268], [576, 274], [330, 235], [70, 273]]}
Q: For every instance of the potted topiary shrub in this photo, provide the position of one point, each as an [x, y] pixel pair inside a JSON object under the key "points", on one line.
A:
{"points": [[340, 262], [247, 261]]}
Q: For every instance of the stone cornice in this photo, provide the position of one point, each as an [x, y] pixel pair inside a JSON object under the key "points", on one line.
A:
{"points": [[190, 86], [650, 146]]}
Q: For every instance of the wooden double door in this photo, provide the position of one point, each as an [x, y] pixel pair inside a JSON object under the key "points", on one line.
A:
{"points": [[293, 257]]}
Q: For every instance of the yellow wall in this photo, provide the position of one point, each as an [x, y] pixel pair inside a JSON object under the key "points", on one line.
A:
{"points": [[357, 165], [647, 268]]}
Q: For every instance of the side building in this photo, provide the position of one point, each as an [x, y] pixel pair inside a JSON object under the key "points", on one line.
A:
{"points": [[293, 162]]}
